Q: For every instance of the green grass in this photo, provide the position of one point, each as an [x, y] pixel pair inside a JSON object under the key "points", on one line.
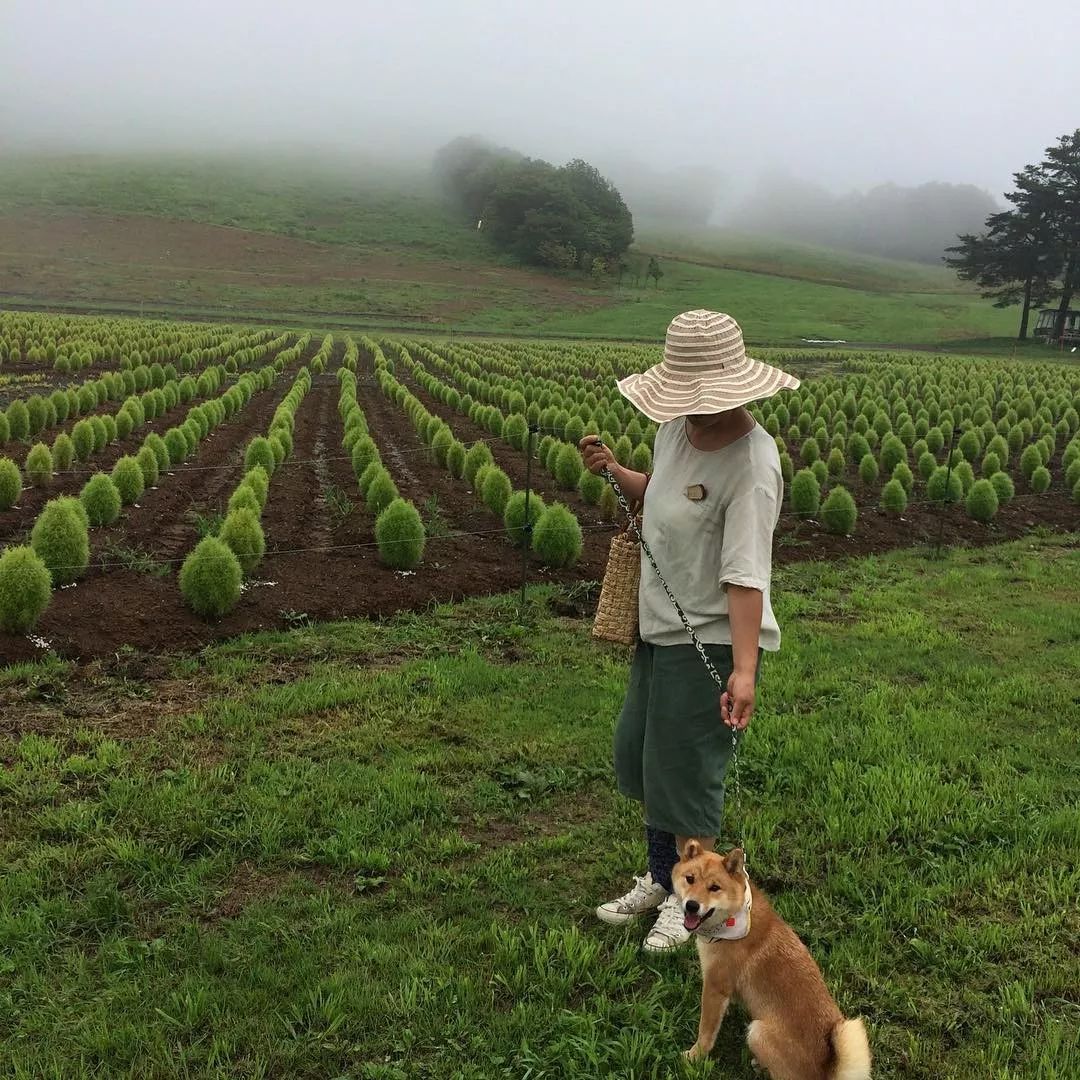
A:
{"points": [[372, 850], [780, 291]]}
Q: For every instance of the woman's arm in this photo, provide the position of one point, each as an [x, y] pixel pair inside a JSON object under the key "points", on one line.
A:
{"points": [[744, 615], [598, 457]]}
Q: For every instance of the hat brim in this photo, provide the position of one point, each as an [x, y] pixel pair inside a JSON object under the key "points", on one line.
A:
{"points": [[662, 398]]}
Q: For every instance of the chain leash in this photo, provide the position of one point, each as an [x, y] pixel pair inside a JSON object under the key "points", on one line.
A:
{"points": [[736, 789]]}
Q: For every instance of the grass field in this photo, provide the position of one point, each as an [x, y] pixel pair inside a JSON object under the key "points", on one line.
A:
{"points": [[356, 247], [372, 850]]}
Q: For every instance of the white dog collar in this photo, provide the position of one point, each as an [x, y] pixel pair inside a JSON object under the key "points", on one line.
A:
{"points": [[738, 925]]}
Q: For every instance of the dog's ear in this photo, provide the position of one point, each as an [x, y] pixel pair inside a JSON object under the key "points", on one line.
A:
{"points": [[691, 850], [734, 861]]}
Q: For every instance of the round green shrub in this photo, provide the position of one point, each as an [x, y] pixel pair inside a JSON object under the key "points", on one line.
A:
{"points": [[400, 535], [63, 453], [557, 537], [514, 515], [835, 462], [969, 445], [893, 451], [260, 452], [176, 445], [368, 475], [10, 483], [935, 440], [805, 493], [277, 446], [381, 492], [903, 473], [591, 487], [62, 540], [259, 482], [838, 513], [148, 465], [982, 501], [18, 419], [574, 431], [927, 465], [496, 491], [1030, 460], [787, 468], [623, 450], [157, 447], [25, 589], [5, 433], [568, 467], [244, 497], [991, 464], [243, 533], [455, 459], [966, 473], [211, 578], [820, 472], [894, 497], [810, 451], [1003, 487], [443, 440], [82, 438], [477, 455], [936, 486], [516, 431], [364, 452], [127, 475], [111, 430], [868, 469], [857, 448], [1072, 473], [101, 433], [100, 499], [39, 465], [641, 458], [1040, 480]]}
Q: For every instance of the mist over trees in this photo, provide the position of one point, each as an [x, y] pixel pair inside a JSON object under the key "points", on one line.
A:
{"points": [[1031, 254], [682, 197], [565, 217], [916, 223]]}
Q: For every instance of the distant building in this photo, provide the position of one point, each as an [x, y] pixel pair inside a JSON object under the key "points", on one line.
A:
{"points": [[1047, 319]]}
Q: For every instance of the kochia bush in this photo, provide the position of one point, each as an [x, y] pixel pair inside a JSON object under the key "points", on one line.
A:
{"points": [[805, 493], [211, 578], [243, 534], [1040, 480], [557, 536], [39, 465], [10, 483], [148, 463], [982, 500], [838, 513], [128, 477], [516, 518], [62, 540], [496, 490], [260, 452], [100, 499], [400, 535], [893, 498], [25, 589], [568, 466], [936, 489], [381, 492], [477, 455], [1003, 487]]}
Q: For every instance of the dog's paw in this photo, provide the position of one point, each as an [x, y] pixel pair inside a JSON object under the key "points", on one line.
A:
{"points": [[695, 1053]]}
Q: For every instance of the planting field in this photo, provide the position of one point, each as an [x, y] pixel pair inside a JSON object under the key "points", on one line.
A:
{"points": [[163, 485], [372, 850]]}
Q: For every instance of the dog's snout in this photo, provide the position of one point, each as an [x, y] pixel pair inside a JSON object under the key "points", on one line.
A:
{"points": [[692, 906]]}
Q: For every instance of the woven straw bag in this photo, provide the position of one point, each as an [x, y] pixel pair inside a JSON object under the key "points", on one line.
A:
{"points": [[617, 609]]}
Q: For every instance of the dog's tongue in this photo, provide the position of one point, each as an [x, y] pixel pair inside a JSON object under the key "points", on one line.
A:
{"points": [[691, 921]]}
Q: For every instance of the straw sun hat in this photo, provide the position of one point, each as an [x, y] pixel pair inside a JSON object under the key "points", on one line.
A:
{"points": [[705, 370]]}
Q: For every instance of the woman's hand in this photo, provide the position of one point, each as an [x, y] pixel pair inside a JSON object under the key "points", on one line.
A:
{"points": [[737, 701], [597, 457]]}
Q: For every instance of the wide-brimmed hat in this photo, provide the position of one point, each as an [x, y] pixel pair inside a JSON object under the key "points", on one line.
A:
{"points": [[705, 370]]}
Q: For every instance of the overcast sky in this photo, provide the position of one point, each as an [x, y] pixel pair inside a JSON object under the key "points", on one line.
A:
{"points": [[846, 93]]}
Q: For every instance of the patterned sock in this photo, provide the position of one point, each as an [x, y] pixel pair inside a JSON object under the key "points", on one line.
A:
{"points": [[662, 855]]}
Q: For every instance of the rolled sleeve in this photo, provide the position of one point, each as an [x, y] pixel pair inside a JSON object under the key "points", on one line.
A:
{"points": [[746, 554]]}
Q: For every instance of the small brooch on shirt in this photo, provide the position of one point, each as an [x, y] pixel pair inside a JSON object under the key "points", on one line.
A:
{"points": [[695, 492]]}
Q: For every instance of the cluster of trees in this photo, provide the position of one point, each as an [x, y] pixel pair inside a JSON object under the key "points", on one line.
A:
{"points": [[565, 217], [1030, 255], [916, 223]]}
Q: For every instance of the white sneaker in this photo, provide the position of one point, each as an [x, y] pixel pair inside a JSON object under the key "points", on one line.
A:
{"points": [[669, 932], [644, 897]]}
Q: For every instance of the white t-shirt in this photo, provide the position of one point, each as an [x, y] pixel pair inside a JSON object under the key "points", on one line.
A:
{"points": [[703, 546]]}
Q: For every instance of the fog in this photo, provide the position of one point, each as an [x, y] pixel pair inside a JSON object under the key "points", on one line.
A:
{"points": [[845, 95]]}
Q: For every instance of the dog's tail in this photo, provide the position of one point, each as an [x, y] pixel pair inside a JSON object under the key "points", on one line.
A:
{"points": [[852, 1050]]}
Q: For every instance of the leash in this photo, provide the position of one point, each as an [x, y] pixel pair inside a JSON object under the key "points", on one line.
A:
{"points": [[710, 667]]}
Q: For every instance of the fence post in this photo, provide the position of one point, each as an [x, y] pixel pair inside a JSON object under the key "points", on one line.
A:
{"points": [[945, 497], [526, 535]]}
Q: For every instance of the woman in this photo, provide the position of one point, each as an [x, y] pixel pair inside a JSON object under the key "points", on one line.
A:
{"points": [[711, 505]]}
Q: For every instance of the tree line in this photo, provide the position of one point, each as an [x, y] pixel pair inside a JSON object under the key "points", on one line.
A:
{"points": [[565, 217], [1030, 254]]}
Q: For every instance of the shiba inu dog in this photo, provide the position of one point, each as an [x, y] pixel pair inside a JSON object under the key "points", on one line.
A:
{"points": [[748, 952]]}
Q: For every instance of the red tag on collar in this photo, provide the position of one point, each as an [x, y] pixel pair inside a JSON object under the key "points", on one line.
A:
{"points": [[731, 921]]}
